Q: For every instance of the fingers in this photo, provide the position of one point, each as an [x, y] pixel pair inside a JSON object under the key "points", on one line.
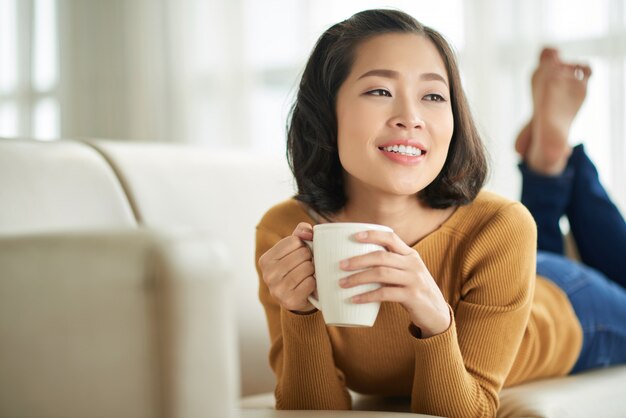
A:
{"points": [[373, 259], [292, 291], [288, 244], [389, 240], [383, 294], [297, 275], [288, 270], [383, 275], [293, 260], [275, 269], [303, 231], [396, 256], [578, 71]]}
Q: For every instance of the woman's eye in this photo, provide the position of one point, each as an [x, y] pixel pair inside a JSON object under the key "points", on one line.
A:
{"points": [[434, 97], [379, 92]]}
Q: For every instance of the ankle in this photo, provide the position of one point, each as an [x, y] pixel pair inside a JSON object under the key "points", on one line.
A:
{"points": [[549, 151]]}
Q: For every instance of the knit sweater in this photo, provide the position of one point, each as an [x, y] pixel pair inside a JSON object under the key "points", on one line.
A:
{"points": [[508, 324]]}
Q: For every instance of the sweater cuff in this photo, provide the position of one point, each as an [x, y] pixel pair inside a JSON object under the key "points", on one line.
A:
{"points": [[430, 349], [306, 328], [416, 332]]}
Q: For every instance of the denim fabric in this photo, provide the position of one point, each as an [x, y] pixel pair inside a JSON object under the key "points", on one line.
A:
{"points": [[596, 224], [597, 287], [600, 305]]}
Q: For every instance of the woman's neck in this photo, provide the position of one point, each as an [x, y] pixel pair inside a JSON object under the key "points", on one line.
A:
{"points": [[410, 219]]}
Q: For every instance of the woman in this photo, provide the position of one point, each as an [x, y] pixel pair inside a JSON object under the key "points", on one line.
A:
{"points": [[381, 133]]}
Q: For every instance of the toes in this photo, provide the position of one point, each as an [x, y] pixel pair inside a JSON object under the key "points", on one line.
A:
{"points": [[549, 55]]}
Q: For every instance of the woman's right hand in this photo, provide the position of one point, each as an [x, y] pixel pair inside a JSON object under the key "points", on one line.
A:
{"points": [[287, 269]]}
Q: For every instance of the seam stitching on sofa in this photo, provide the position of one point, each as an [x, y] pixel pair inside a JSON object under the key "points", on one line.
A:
{"points": [[120, 176]]}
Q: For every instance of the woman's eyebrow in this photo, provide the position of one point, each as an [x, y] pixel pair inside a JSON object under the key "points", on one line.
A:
{"points": [[381, 73], [395, 75]]}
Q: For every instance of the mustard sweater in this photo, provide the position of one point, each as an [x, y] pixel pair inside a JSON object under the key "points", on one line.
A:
{"points": [[509, 325]]}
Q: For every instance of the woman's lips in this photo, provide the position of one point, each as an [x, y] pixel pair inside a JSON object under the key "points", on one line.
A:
{"points": [[403, 158], [405, 152]]}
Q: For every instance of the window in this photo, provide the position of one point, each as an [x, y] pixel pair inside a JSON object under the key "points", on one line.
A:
{"points": [[29, 76]]}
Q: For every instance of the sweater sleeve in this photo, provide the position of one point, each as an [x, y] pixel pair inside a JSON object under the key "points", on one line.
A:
{"points": [[460, 372], [301, 354]]}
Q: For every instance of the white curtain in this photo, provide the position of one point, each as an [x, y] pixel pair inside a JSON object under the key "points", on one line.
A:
{"points": [[113, 69]]}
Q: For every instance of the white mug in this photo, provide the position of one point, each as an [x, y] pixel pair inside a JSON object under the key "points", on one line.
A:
{"points": [[332, 243]]}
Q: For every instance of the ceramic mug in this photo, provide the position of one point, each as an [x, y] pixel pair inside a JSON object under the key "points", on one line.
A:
{"points": [[332, 243]]}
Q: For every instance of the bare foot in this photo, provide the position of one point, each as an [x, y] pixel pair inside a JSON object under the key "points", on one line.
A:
{"points": [[523, 140], [559, 90]]}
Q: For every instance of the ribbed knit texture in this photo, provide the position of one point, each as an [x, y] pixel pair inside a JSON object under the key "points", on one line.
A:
{"points": [[509, 326]]}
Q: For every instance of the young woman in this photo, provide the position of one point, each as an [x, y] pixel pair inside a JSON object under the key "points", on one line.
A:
{"points": [[381, 133]]}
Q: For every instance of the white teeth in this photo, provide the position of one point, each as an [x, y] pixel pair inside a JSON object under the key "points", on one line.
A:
{"points": [[404, 150]]}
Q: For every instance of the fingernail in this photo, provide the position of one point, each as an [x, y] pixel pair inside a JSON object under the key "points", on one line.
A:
{"points": [[343, 264], [343, 282], [362, 235], [356, 299]]}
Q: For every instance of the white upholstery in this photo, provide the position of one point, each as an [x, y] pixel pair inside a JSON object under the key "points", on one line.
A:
{"points": [[98, 317], [113, 324], [64, 185], [64, 301], [598, 393], [224, 193]]}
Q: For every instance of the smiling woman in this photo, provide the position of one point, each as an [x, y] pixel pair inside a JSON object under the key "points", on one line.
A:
{"points": [[380, 133], [381, 112]]}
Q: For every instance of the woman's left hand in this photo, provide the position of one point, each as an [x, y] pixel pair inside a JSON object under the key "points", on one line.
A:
{"points": [[403, 278]]}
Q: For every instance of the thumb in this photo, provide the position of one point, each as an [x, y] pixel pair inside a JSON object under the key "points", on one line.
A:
{"points": [[303, 231]]}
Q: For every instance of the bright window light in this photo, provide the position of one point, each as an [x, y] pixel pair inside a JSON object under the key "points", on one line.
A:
{"points": [[45, 66], [577, 19], [8, 46], [8, 119], [46, 119], [592, 125], [446, 16]]}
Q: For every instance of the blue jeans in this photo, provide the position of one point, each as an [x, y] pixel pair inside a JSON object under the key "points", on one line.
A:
{"points": [[596, 287]]}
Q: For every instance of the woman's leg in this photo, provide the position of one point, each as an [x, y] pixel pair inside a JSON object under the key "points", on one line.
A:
{"points": [[558, 91], [596, 223], [600, 306], [558, 180], [547, 198]]}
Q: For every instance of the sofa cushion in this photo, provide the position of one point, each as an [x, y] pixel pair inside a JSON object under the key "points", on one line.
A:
{"points": [[597, 393], [60, 185], [223, 193]]}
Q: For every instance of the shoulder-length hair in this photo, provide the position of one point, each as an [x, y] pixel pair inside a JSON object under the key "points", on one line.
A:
{"points": [[312, 126]]}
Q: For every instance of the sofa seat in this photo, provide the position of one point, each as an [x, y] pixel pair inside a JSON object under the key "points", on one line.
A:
{"points": [[596, 393]]}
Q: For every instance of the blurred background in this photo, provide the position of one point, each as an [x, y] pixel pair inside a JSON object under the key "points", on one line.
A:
{"points": [[222, 73]]}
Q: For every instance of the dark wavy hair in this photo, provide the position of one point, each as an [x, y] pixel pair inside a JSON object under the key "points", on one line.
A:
{"points": [[312, 126]]}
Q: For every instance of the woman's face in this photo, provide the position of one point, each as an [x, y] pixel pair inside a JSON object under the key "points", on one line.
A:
{"points": [[394, 116]]}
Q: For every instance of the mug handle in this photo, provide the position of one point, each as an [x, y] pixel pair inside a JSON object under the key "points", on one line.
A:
{"points": [[314, 302]]}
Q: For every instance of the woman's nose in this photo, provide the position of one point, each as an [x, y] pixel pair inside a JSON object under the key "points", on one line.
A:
{"points": [[407, 116]]}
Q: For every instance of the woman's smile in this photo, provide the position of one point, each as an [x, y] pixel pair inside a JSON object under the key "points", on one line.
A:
{"points": [[403, 151]]}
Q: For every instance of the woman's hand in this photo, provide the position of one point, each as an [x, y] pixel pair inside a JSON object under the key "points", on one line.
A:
{"points": [[287, 269], [404, 279]]}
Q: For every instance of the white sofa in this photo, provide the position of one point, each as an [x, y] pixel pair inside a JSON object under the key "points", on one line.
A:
{"points": [[119, 263]]}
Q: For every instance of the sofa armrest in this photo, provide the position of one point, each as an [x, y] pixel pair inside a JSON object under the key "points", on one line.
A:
{"points": [[123, 323]]}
